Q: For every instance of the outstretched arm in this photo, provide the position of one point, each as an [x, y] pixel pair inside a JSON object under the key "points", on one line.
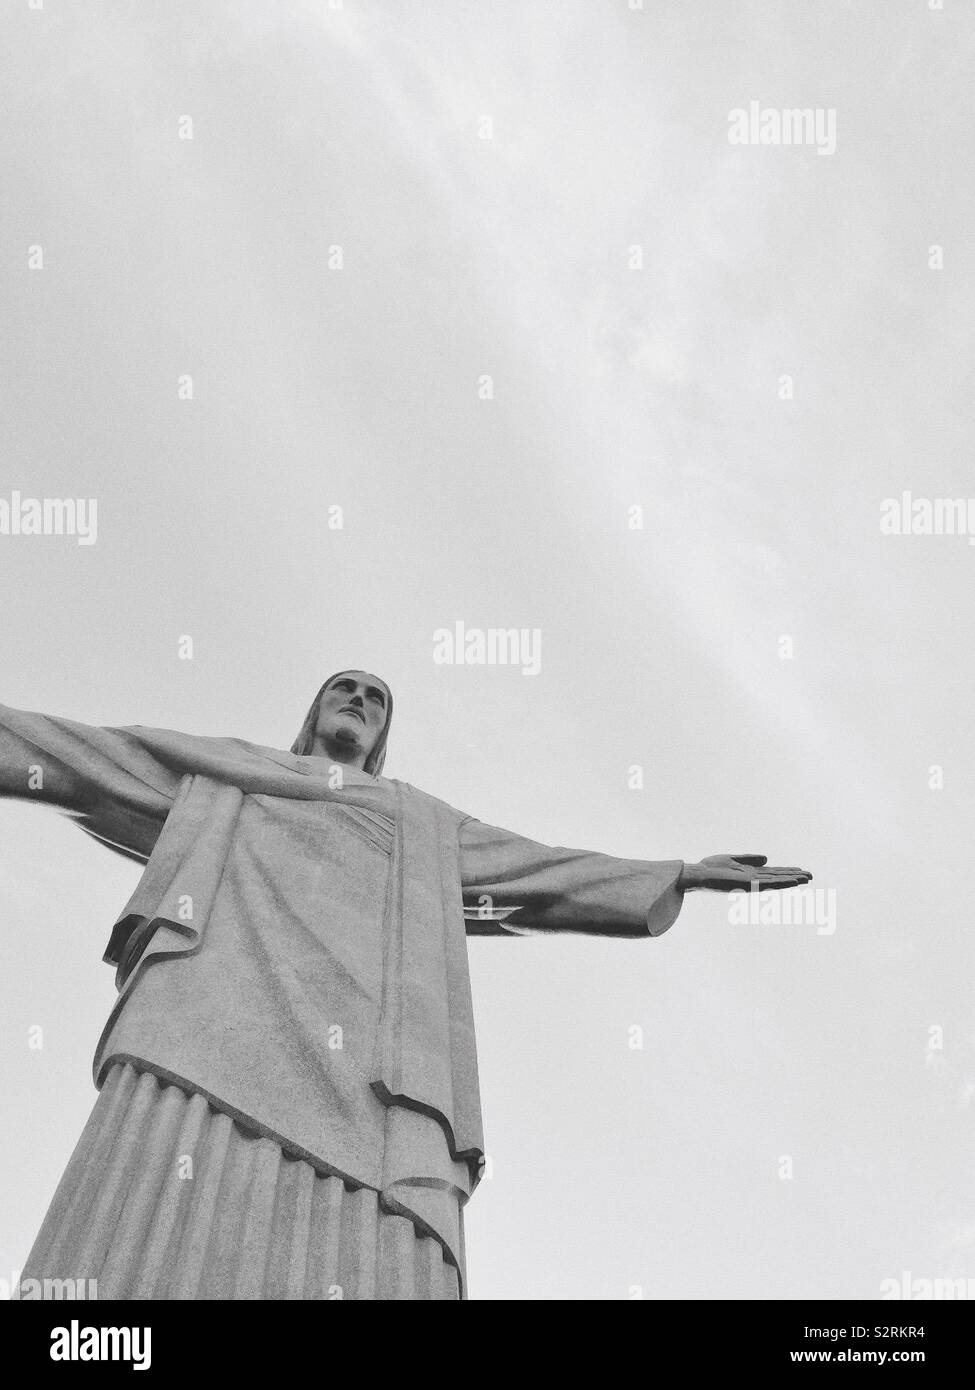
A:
{"points": [[511, 885], [105, 778]]}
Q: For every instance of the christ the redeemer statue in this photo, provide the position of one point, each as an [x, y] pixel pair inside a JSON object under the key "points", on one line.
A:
{"points": [[288, 1099]]}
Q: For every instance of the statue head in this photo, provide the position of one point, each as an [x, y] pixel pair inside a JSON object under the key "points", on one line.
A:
{"points": [[349, 721]]}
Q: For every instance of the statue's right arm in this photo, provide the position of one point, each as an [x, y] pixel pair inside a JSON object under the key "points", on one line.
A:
{"points": [[105, 778]]}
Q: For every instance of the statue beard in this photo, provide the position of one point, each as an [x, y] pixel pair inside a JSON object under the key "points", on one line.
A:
{"points": [[346, 738]]}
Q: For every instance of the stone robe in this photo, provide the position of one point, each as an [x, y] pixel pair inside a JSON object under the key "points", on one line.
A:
{"points": [[295, 949]]}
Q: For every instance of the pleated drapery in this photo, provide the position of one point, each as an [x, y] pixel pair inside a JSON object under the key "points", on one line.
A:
{"points": [[166, 1197]]}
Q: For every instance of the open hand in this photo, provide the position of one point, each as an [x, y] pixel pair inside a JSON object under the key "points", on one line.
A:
{"points": [[730, 873]]}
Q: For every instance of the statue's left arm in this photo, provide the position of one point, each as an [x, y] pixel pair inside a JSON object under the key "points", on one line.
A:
{"points": [[511, 884]]}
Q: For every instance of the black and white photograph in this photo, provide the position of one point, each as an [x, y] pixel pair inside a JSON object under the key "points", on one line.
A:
{"points": [[487, 537]]}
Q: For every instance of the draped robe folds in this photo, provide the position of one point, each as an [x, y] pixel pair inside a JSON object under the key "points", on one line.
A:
{"points": [[295, 950]]}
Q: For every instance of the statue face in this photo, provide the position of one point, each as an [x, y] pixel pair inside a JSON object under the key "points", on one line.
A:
{"points": [[352, 714]]}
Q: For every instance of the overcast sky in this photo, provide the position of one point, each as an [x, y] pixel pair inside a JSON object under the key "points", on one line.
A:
{"points": [[494, 174]]}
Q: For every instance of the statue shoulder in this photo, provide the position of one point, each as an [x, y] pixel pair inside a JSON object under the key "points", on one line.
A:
{"points": [[433, 802], [200, 752]]}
